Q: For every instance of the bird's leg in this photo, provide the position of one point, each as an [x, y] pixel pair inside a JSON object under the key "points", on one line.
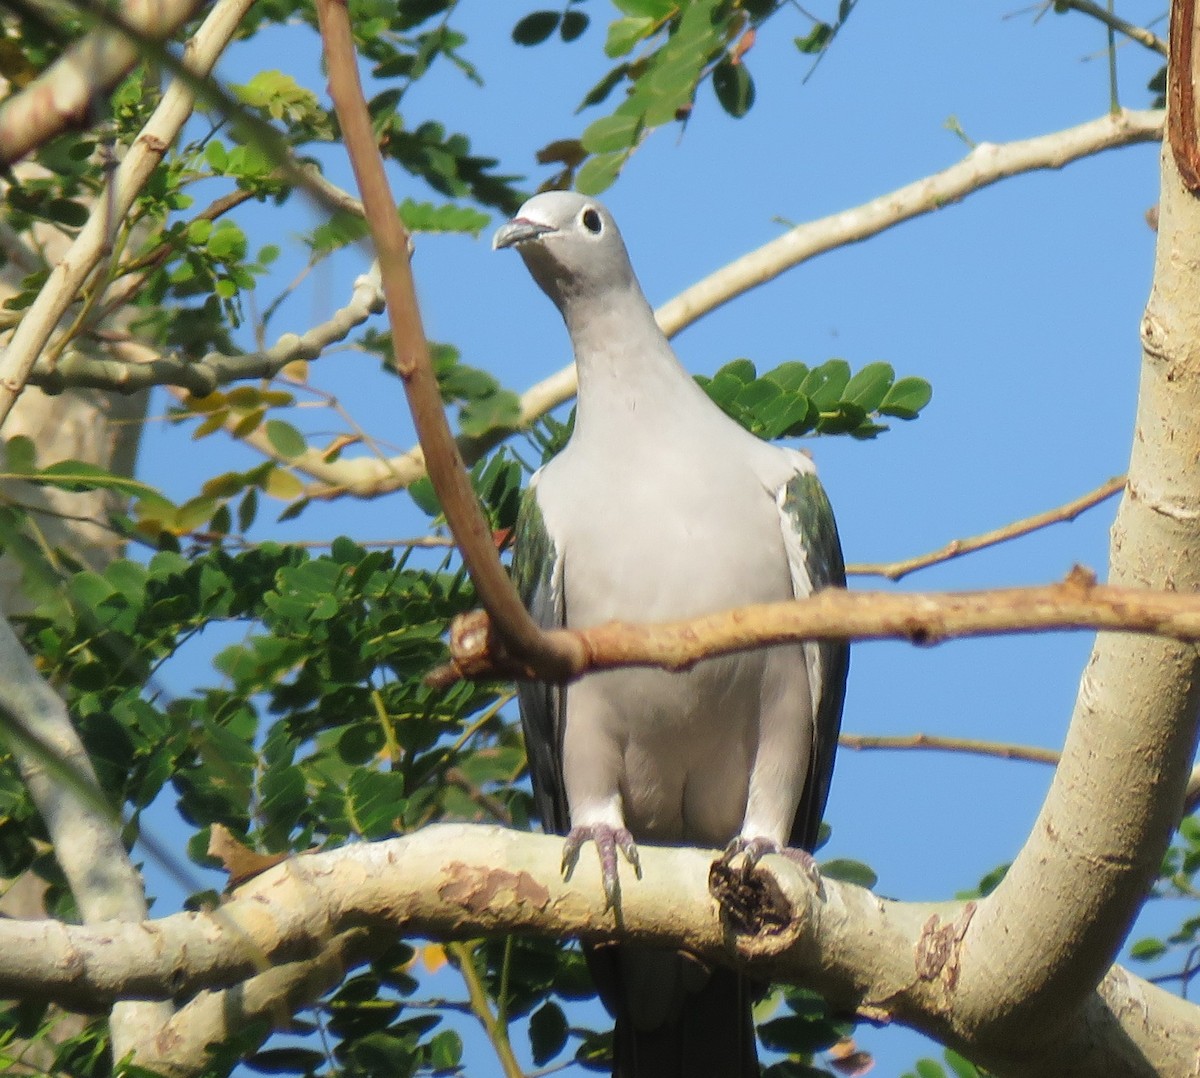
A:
{"points": [[754, 850], [608, 840]]}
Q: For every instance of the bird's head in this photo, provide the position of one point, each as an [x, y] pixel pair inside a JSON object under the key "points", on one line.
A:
{"points": [[570, 244]]}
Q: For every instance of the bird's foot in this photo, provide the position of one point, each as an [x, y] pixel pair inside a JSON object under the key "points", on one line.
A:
{"points": [[753, 850], [608, 841]]}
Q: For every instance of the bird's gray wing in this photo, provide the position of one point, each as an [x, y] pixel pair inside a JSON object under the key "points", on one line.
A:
{"points": [[815, 558], [538, 575]]}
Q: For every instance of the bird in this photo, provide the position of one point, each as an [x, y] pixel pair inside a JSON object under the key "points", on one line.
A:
{"points": [[660, 507]]}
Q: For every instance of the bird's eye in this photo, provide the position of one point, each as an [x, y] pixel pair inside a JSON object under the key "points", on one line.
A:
{"points": [[591, 221]]}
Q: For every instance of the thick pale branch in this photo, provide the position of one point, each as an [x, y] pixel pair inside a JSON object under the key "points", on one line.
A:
{"points": [[85, 834], [202, 376], [60, 97], [550, 655], [1114, 801], [65, 280], [894, 570], [886, 960], [267, 1001], [922, 618]]}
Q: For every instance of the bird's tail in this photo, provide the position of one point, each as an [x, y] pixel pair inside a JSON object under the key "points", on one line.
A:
{"points": [[675, 1016]]}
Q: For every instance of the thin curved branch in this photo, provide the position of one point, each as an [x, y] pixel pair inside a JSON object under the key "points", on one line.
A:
{"points": [[472, 534], [986, 164], [142, 368], [1114, 22], [65, 280], [62, 95], [922, 618], [885, 960], [895, 570], [1002, 749]]}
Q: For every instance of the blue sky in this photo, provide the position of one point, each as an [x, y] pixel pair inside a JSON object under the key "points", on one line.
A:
{"points": [[1020, 306]]}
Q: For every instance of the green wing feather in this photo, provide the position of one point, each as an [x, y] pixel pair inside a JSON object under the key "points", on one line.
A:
{"points": [[806, 511], [537, 574]]}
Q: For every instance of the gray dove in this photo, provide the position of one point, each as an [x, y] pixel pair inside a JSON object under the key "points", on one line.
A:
{"points": [[661, 507]]}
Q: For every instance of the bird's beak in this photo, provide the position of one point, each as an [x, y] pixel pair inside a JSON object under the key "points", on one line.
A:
{"points": [[517, 231]]}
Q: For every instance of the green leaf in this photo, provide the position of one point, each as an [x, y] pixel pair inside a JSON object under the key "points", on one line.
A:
{"points": [[816, 39], [216, 155], [376, 802], [826, 383], [849, 871], [285, 439], [624, 34], [536, 27], [599, 172], [741, 369], [20, 454], [1146, 949], [906, 398], [79, 475], [927, 1068], [574, 23], [962, 1068], [647, 9], [445, 1050], [734, 87], [449, 217], [869, 386], [496, 411], [547, 1033], [611, 133], [424, 496], [286, 1061]]}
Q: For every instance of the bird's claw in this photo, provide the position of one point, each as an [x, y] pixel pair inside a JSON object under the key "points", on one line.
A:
{"points": [[753, 850], [608, 841]]}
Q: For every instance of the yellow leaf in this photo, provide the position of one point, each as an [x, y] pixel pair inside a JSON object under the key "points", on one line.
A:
{"points": [[281, 484]]}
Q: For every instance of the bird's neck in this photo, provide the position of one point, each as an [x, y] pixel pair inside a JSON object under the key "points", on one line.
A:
{"points": [[629, 378]]}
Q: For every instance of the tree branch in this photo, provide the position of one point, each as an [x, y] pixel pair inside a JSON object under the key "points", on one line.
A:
{"points": [[61, 96], [269, 999], [1114, 22], [207, 374], [922, 618], [1002, 749], [885, 960], [85, 833], [550, 655], [1114, 801], [65, 280], [895, 570]]}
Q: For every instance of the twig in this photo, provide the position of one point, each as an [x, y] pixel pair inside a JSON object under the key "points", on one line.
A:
{"points": [[1114, 22], [411, 354], [921, 618], [64, 281], [463, 957], [938, 743], [60, 96], [895, 570]]}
